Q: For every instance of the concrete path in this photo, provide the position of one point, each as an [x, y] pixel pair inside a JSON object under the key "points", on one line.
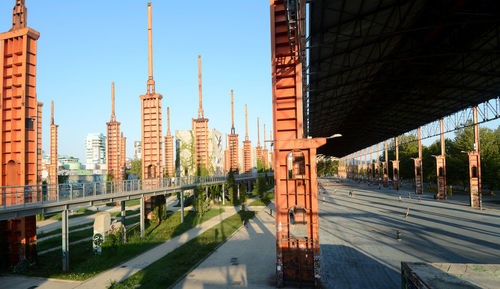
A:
{"points": [[359, 247], [24, 282], [129, 268], [246, 260]]}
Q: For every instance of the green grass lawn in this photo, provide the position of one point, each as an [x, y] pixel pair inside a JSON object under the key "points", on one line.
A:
{"points": [[84, 264], [78, 213], [113, 214], [263, 201], [56, 241], [164, 272]]}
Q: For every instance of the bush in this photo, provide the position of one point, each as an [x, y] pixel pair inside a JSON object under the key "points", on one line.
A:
{"points": [[201, 202], [243, 193]]}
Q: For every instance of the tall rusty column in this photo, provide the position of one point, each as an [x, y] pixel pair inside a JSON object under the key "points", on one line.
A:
{"points": [[419, 181], [39, 146], [123, 155], [265, 152], [475, 166], [169, 149], [370, 169], [200, 130], [376, 167], [297, 230], [151, 123], [18, 111], [441, 167], [365, 167], [258, 148], [395, 167], [247, 148], [385, 166], [113, 151], [53, 155], [233, 142]]}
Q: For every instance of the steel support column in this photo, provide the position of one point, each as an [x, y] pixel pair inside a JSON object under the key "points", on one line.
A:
{"points": [[475, 167], [376, 168], [419, 181], [182, 206], [123, 213], [441, 167], [142, 225], [385, 166], [296, 191], [395, 167], [65, 241]]}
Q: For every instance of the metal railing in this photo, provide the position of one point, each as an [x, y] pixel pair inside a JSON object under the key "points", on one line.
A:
{"points": [[23, 195]]}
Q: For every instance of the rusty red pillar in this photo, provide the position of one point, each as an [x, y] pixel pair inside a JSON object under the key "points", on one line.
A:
{"points": [[385, 166], [370, 168], [18, 149], [441, 167], [419, 181], [258, 148], [200, 126], [233, 142], [169, 149], [151, 128], [376, 167], [395, 167], [113, 151], [297, 230], [53, 156], [247, 148], [475, 166]]}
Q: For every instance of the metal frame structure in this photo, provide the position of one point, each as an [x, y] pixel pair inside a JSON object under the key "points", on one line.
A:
{"points": [[247, 148], [233, 142], [297, 227], [200, 129], [169, 149], [404, 63], [113, 143]]}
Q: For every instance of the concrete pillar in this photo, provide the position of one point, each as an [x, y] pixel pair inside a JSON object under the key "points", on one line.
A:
{"points": [[223, 194], [65, 241], [124, 232], [142, 217], [238, 185], [182, 206]]}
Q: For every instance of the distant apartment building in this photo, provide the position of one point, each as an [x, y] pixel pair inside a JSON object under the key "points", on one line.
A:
{"points": [[95, 147], [137, 150], [184, 148]]}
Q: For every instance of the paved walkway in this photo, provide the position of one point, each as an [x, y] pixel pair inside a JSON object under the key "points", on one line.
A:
{"points": [[246, 260], [129, 268], [359, 248]]}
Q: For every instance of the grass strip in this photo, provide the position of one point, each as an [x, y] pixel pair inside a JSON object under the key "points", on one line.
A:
{"points": [[113, 214], [263, 201], [84, 264], [166, 271], [56, 241]]}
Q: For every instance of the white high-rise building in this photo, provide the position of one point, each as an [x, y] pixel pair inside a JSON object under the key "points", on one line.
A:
{"points": [[95, 147], [137, 150]]}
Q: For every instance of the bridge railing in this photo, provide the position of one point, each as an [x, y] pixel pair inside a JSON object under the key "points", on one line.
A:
{"points": [[22, 195]]}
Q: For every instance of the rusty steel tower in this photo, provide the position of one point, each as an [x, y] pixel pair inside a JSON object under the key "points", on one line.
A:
{"points": [[258, 148], [395, 166], [296, 186], [265, 152], [123, 151], [247, 148], [233, 142], [39, 142], [169, 149], [18, 113], [200, 130], [442, 193], [151, 118], [53, 149], [114, 147]]}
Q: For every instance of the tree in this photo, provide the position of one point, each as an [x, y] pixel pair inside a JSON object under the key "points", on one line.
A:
{"points": [[136, 168]]}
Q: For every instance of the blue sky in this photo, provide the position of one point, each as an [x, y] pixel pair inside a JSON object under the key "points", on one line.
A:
{"points": [[85, 45]]}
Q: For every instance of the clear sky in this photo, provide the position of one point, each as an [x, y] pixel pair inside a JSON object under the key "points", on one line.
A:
{"points": [[85, 45]]}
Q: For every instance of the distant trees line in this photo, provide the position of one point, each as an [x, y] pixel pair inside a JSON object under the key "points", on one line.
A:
{"points": [[457, 162]]}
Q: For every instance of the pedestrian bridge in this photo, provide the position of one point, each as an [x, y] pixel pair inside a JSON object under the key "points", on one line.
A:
{"points": [[22, 201]]}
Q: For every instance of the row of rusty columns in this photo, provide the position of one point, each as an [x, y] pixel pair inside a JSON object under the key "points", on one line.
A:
{"points": [[353, 167]]}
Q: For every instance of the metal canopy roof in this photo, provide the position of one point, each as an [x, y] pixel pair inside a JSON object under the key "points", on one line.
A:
{"points": [[382, 68]]}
